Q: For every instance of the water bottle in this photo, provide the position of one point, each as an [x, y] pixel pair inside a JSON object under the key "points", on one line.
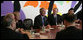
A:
{"points": [[43, 28]]}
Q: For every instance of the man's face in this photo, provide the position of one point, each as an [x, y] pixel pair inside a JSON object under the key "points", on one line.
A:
{"points": [[43, 11], [17, 15], [55, 11], [13, 16], [71, 12], [13, 24]]}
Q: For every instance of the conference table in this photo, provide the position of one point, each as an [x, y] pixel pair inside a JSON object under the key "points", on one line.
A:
{"points": [[47, 33]]}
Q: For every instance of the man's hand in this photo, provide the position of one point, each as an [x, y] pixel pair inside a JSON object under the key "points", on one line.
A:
{"points": [[48, 26], [22, 31], [25, 32], [17, 30]]}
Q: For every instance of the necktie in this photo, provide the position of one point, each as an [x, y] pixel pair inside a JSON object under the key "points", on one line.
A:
{"points": [[55, 17], [43, 19]]}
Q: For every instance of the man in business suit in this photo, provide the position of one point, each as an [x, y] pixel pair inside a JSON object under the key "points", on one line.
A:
{"points": [[8, 31], [54, 18], [40, 20], [70, 31]]}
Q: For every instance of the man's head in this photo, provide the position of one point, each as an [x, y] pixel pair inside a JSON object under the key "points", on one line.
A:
{"points": [[17, 15], [71, 11], [9, 22], [42, 11], [55, 11], [11, 15], [69, 19]]}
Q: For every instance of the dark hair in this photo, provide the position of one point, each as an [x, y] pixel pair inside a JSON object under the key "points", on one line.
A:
{"points": [[41, 9], [16, 6], [69, 18], [71, 9]]}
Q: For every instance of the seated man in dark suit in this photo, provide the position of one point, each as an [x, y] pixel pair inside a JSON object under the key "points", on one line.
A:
{"points": [[70, 31], [40, 20], [8, 31], [54, 18]]}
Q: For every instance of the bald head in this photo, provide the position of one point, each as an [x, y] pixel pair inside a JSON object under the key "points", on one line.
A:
{"points": [[11, 15]]}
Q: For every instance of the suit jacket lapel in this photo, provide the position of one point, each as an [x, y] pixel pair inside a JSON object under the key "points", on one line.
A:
{"points": [[53, 17], [40, 18]]}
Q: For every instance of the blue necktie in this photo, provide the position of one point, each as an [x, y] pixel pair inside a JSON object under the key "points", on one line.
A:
{"points": [[43, 20]]}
